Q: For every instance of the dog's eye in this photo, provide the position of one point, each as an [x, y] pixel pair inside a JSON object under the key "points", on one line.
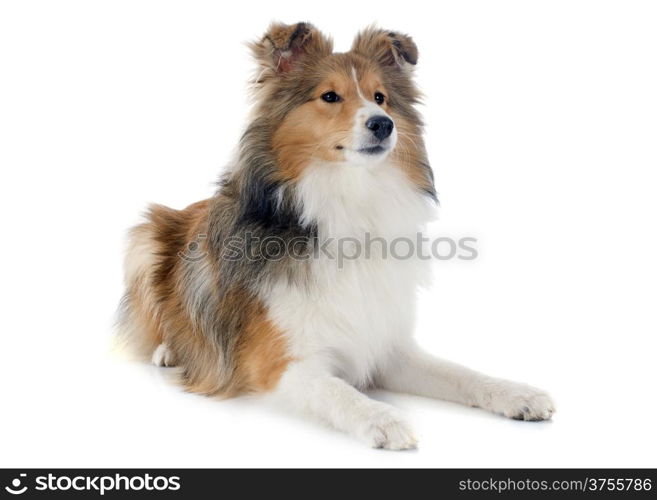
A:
{"points": [[379, 98], [330, 96]]}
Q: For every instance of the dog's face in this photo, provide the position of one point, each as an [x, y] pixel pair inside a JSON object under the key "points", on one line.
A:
{"points": [[346, 118], [354, 108]]}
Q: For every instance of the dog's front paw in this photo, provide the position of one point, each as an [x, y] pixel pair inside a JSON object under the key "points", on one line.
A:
{"points": [[388, 430], [517, 401]]}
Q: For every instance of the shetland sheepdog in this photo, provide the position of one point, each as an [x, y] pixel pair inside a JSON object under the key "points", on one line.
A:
{"points": [[243, 292]]}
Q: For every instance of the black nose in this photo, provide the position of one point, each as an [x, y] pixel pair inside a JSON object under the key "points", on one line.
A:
{"points": [[381, 126]]}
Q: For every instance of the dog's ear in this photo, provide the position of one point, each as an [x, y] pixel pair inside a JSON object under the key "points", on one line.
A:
{"points": [[388, 48], [285, 46]]}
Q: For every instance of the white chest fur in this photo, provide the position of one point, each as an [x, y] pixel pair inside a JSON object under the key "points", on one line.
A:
{"points": [[361, 300]]}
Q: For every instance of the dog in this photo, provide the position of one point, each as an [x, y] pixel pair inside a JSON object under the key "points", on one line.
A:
{"points": [[333, 153]]}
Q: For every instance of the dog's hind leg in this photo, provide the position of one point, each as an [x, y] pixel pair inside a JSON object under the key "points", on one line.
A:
{"points": [[415, 372], [163, 356]]}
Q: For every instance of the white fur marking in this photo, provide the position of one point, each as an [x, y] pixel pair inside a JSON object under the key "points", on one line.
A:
{"points": [[362, 136]]}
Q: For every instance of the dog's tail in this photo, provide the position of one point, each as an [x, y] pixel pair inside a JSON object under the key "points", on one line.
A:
{"points": [[138, 329]]}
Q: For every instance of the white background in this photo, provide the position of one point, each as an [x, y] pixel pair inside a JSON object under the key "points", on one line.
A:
{"points": [[542, 128]]}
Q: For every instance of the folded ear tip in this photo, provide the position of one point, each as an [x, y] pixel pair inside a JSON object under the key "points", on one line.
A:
{"points": [[410, 53], [372, 40], [282, 35], [406, 47], [283, 45]]}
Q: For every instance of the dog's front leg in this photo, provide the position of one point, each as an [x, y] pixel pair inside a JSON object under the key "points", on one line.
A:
{"points": [[316, 391], [415, 372]]}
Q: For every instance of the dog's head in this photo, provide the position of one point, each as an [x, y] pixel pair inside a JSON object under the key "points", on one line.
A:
{"points": [[355, 107]]}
